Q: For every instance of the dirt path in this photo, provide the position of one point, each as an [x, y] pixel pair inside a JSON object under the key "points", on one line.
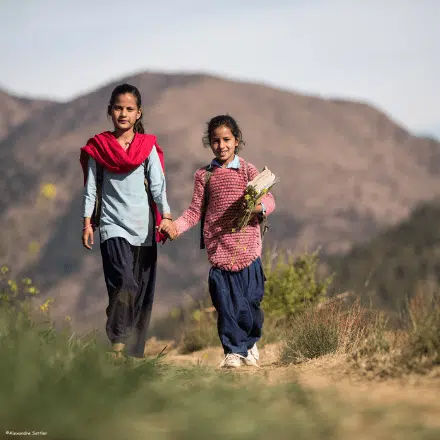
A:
{"points": [[330, 373]]}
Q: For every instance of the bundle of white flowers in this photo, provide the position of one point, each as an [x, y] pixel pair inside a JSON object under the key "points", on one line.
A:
{"points": [[256, 189]]}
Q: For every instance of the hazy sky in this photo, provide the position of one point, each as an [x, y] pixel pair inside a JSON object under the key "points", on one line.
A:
{"points": [[386, 52]]}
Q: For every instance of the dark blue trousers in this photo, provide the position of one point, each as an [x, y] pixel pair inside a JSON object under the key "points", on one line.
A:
{"points": [[237, 297], [130, 276]]}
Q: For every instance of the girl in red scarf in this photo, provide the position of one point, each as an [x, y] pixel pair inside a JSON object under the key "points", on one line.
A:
{"points": [[126, 167]]}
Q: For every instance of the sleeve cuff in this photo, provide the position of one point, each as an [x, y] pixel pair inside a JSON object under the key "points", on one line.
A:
{"points": [[163, 206]]}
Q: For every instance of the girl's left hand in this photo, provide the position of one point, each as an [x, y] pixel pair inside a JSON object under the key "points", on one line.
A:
{"points": [[258, 209]]}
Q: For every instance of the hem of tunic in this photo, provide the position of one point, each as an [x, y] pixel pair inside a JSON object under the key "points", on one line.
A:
{"points": [[121, 233], [235, 267]]}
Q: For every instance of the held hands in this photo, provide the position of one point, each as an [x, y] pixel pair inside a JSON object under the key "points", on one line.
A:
{"points": [[168, 227]]}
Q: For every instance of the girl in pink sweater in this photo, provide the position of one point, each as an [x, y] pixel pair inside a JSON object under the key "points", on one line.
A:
{"points": [[236, 278]]}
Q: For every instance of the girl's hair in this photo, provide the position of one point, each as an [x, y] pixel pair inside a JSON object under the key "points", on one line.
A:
{"points": [[122, 89], [219, 121]]}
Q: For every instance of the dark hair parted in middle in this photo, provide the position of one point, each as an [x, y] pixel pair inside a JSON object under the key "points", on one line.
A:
{"points": [[220, 121], [122, 89]]}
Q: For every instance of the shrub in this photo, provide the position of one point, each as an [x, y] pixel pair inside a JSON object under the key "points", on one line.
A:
{"points": [[414, 349], [200, 332], [324, 330], [310, 337], [422, 349], [292, 285]]}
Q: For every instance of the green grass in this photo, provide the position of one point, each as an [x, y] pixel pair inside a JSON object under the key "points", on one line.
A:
{"points": [[69, 388]]}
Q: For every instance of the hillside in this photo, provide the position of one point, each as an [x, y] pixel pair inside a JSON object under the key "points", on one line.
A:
{"points": [[14, 111], [346, 172], [389, 268]]}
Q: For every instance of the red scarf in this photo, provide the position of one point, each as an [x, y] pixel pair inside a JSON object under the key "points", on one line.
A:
{"points": [[107, 151]]}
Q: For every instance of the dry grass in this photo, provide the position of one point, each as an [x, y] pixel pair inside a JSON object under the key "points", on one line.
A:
{"points": [[422, 350], [415, 349], [374, 351], [324, 330]]}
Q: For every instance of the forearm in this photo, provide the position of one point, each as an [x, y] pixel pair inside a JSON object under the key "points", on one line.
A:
{"points": [[163, 206], [191, 216], [187, 220], [157, 183], [268, 202], [89, 198]]}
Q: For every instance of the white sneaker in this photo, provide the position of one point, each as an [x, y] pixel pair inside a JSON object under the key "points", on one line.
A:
{"points": [[232, 360], [250, 361], [252, 358], [254, 351]]}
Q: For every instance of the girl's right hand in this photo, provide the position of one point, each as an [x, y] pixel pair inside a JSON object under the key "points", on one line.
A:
{"points": [[87, 237]]}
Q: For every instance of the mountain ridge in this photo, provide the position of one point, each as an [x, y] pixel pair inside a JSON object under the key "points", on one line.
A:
{"points": [[347, 170]]}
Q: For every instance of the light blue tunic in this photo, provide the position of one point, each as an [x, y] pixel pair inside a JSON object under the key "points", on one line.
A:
{"points": [[125, 210]]}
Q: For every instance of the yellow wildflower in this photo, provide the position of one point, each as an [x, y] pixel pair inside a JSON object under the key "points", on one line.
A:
{"points": [[34, 247], [196, 315], [4, 270], [12, 286], [45, 306], [175, 313], [48, 190]]}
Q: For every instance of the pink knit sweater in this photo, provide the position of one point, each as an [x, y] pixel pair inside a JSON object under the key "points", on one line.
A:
{"points": [[232, 251]]}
